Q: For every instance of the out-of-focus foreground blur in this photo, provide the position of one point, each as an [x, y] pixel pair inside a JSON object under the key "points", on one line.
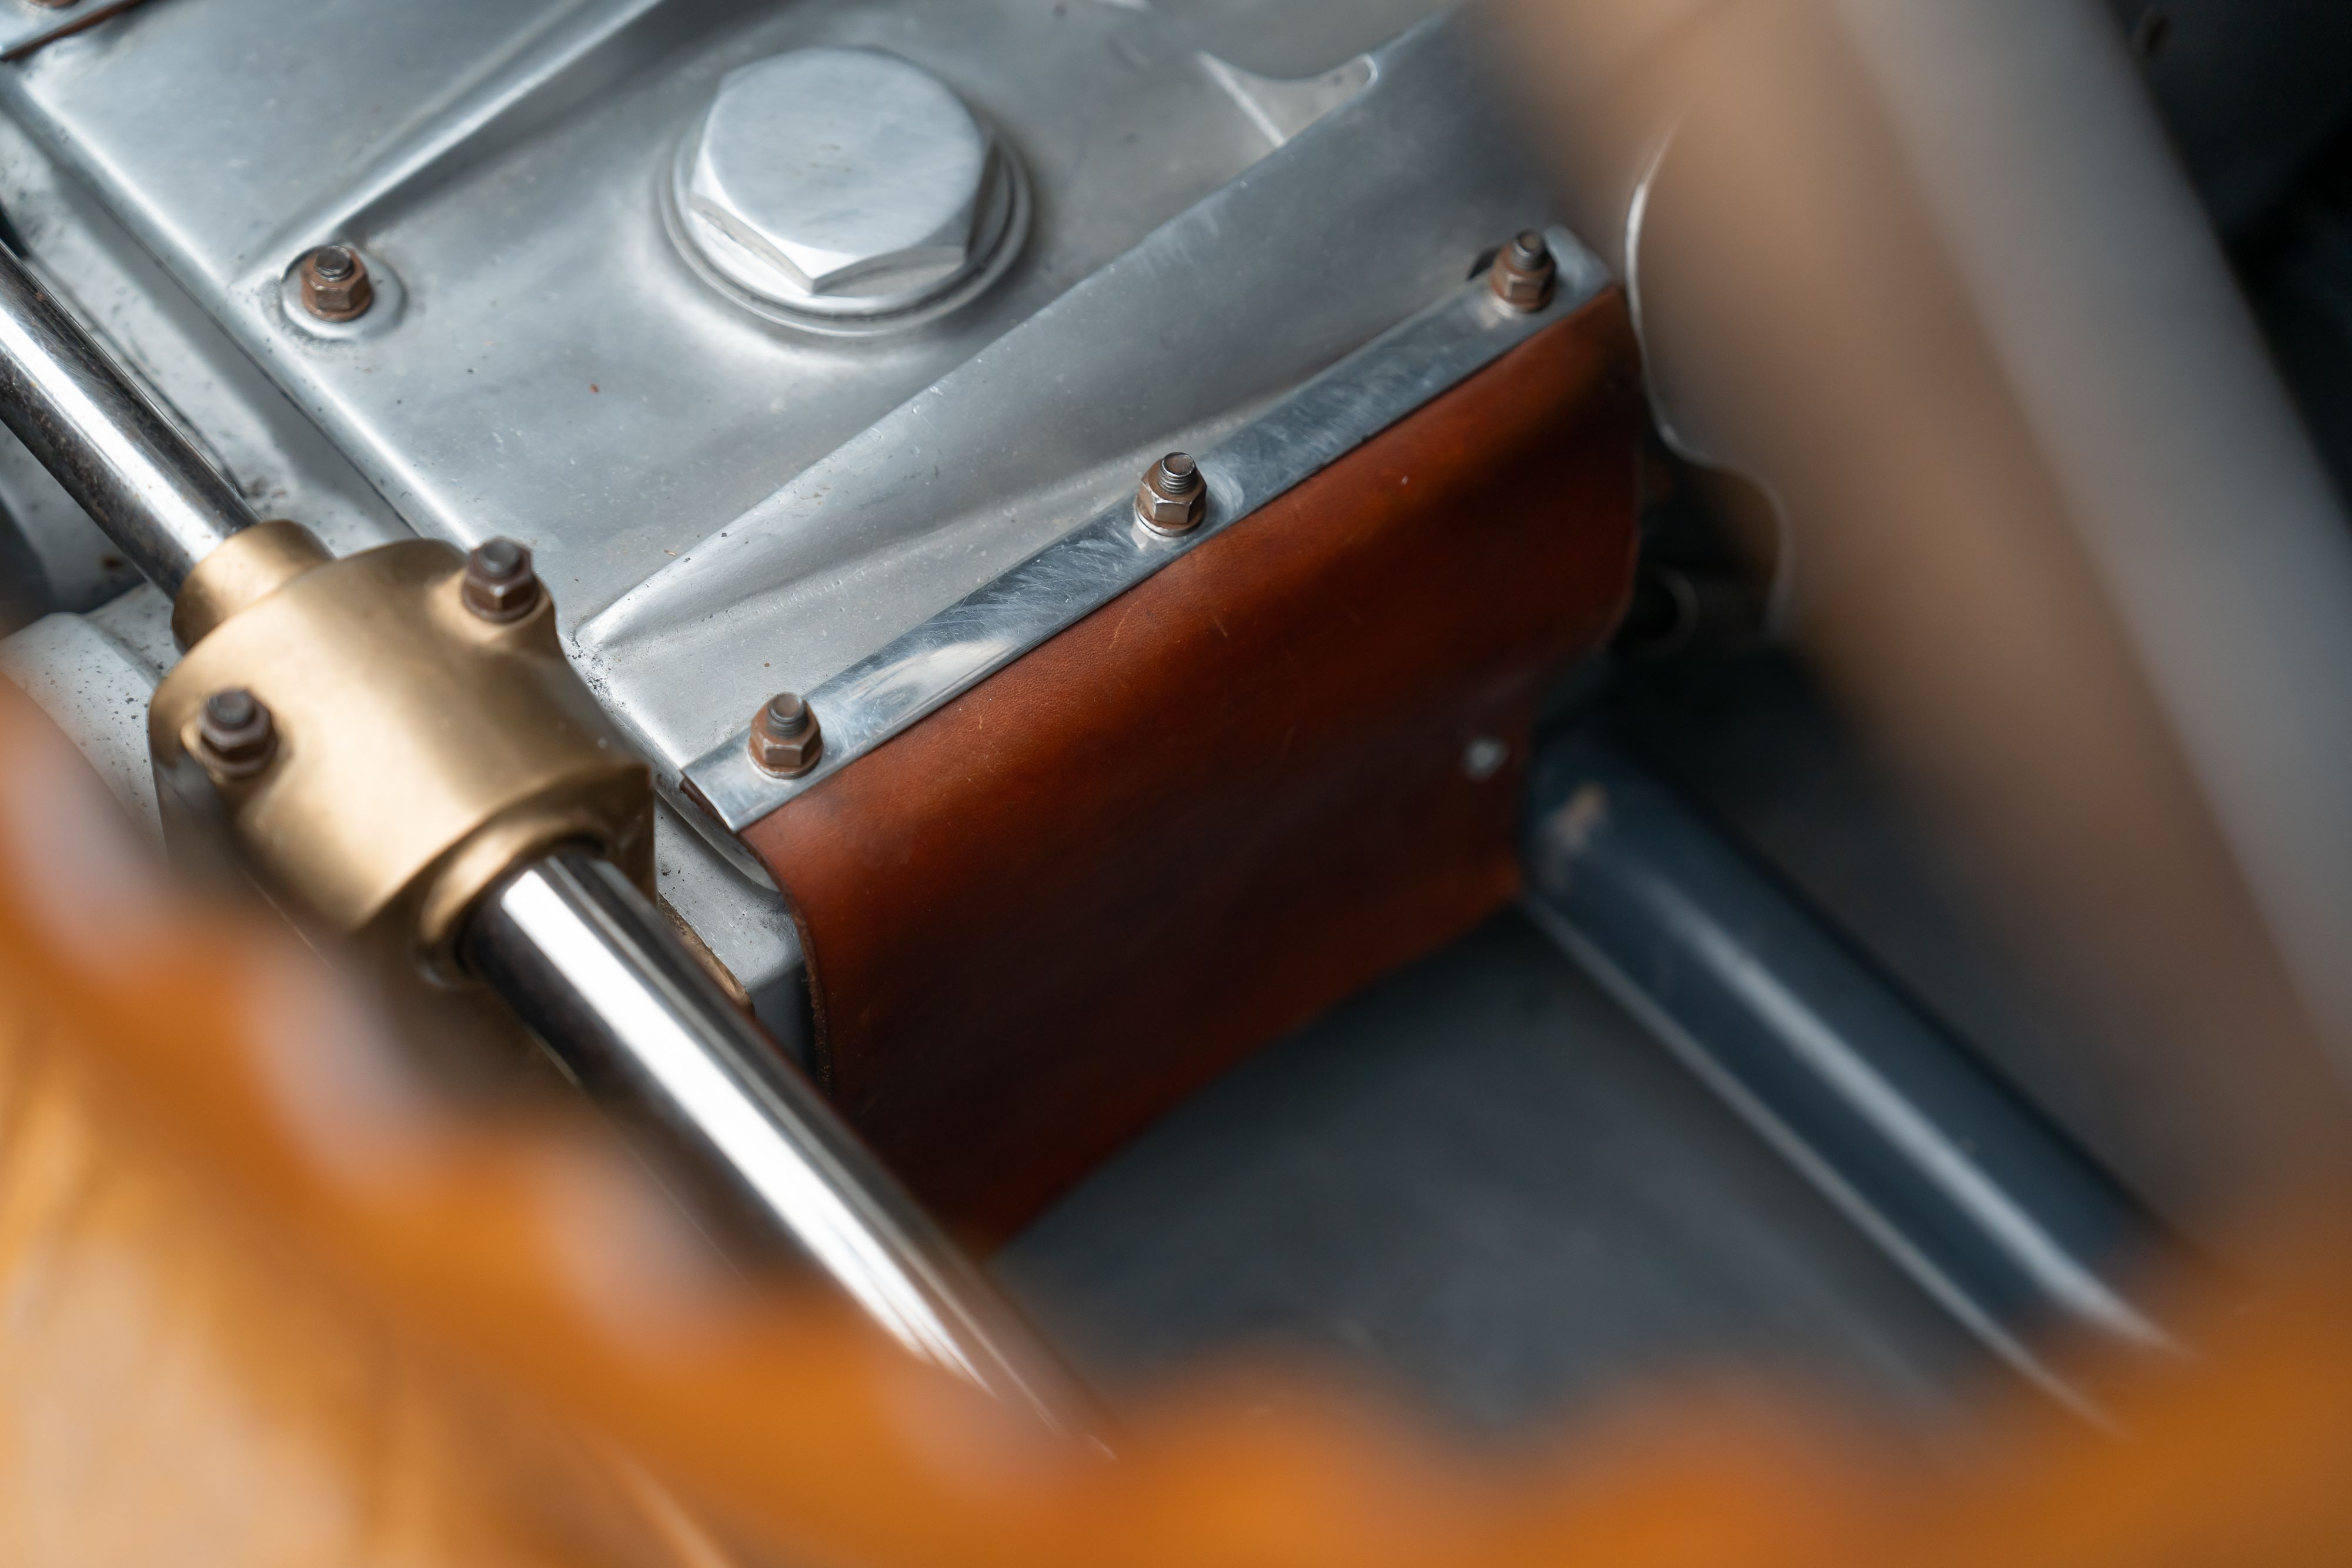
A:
{"points": [[1275, 782]]}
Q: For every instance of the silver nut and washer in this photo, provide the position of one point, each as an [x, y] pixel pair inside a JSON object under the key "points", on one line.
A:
{"points": [[841, 185], [1172, 497], [785, 739]]}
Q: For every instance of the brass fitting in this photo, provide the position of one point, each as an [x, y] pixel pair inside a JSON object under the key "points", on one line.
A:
{"points": [[416, 749], [249, 567]]}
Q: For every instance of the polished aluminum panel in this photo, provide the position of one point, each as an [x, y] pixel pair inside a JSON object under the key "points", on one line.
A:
{"points": [[1221, 211], [1365, 217], [179, 357], [561, 374], [1387, 378]]}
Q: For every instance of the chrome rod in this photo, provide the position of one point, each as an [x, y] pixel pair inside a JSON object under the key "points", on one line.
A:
{"points": [[138, 478], [570, 944], [1991, 1208], [581, 956]]}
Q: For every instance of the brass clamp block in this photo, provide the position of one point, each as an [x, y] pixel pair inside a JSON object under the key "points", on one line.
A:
{"points": [[380, 751]]}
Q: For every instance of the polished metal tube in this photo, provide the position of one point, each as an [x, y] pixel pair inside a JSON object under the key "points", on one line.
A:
{"points": [[132, 470], [1986, 1204], [567, 941], [581, 956]]}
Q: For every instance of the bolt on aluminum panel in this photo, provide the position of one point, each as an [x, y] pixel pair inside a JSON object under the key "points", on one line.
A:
{"points": [[722, 505]]}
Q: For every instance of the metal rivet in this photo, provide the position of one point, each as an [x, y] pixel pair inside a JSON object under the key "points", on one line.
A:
{"points": [[1172, 495], [335, 285], [500, 582], [1523, 272], [236, 733], [786, 740]]}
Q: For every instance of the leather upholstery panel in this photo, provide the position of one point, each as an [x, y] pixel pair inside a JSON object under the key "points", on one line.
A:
{"points": [[1182, 827]]}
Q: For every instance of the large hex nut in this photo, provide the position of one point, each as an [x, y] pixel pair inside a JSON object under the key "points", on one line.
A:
{"points": [[843, 182]]}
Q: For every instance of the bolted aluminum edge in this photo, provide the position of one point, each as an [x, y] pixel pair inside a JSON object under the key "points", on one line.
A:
{"points": [[1314, 425]]}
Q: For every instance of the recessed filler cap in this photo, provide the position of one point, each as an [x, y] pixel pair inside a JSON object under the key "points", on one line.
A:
{"points": [[845, 190]]}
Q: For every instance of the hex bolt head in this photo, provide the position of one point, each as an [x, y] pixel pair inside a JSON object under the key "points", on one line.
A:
{"points": [[843, 183], [1524, 272], [235, 734], [785, 739], [335, 285], [499, 583], [1173, 496]]}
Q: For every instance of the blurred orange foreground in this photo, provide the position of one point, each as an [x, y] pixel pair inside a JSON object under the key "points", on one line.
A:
{"points": [[263, 1300]]}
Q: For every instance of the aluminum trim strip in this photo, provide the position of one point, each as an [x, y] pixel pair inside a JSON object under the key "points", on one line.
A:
{"points": [[1323, 420]]}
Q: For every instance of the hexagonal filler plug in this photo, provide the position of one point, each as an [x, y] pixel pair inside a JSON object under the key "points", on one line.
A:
{"points": [[845, 191]]}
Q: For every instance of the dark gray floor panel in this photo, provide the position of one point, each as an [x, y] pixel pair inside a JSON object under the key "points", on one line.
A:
{"points": [[1482, 1186]]}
